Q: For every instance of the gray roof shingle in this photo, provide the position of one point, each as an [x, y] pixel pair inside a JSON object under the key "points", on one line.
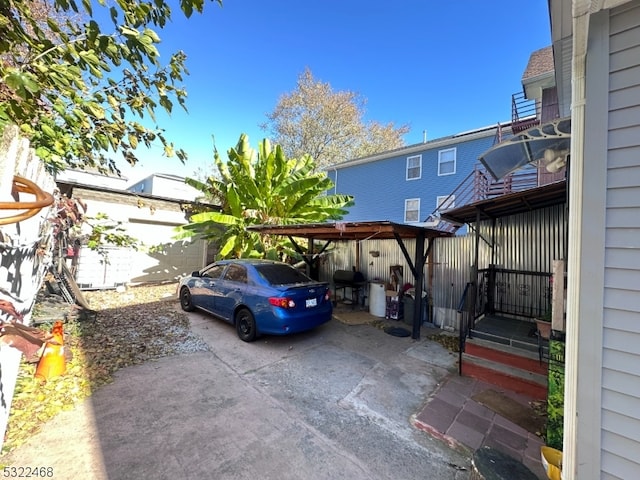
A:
{"points": [[540, 62]]}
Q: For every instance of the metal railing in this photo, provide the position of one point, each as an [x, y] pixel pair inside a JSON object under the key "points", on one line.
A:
{"points": [[463, 324], [519, 293], [480, 185], [514, 292], [524, 112]]}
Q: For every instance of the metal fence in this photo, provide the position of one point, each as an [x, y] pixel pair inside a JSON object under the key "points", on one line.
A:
{"points": [[527, 242], [514, 292]]}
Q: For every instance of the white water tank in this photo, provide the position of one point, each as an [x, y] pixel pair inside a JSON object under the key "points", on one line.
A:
{"points": [[377, 299]]}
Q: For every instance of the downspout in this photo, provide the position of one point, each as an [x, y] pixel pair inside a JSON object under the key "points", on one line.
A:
{"points": [[580, 25], [335, 184]]}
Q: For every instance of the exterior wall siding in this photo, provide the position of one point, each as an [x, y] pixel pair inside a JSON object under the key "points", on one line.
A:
{"points": [[564, 79], [165, 186], [380, 186], [170, 187], [530, 241], [344, 257], [450, 270], [152, 222], [621, 315], [143, 186]]}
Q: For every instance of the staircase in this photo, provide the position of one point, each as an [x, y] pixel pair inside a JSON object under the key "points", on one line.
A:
{"points": [[511, 362], [480, 185]]}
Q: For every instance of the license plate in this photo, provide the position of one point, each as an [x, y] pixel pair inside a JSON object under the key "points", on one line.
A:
{"points": [[311, 302]]}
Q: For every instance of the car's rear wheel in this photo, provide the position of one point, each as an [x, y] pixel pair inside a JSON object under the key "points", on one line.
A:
{"points": [[246, 325], [186, 302]]}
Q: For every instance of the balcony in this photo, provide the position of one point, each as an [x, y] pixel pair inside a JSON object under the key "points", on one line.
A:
{"points": [[524, 113], [480, 185], [527, 113], [529, 169]]}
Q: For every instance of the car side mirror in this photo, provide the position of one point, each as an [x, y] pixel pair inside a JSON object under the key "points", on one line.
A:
{"points": [[195, 273]]}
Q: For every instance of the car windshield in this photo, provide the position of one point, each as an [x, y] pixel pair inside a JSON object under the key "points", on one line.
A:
{"points": [[277, 274]]}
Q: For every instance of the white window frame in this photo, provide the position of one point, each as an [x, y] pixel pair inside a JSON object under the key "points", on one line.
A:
{"points": [[417, 210], [442, 161], [414, 167], [451, 203]]}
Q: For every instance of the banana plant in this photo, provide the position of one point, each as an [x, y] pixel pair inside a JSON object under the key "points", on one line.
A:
{"points": [[262, 187]]}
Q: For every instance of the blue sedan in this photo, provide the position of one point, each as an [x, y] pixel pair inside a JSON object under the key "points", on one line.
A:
{"points": [[258, 297]]}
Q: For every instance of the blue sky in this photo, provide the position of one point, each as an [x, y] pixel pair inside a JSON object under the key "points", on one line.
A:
{"points": [[443, 67]]}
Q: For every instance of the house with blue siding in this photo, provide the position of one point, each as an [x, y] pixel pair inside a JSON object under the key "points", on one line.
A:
{"points": [[407, 185]]}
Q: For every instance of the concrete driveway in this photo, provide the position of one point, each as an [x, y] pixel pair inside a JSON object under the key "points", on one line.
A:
{"points": [[332, 403]]}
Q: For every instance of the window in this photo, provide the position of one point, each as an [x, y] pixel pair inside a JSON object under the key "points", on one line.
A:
{"points": [[447, 162], [214, 272], [412, 210], [414, 167], [236, 273], [445, 202], [278, 274]]}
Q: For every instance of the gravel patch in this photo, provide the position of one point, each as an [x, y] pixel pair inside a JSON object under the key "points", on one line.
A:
{"points": [[130, 326]]}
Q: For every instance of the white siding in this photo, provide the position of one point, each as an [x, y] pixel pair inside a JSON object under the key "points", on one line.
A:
{"points": [[564, 83], [621, 316], [151, 221]]}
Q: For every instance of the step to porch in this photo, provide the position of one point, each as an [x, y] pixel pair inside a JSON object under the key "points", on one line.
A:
{"points": [[519, 343], [505, 366], [513, 357]]}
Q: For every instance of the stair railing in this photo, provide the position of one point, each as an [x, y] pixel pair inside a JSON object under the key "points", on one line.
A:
{"points": [[524, 112], [463, 325]]}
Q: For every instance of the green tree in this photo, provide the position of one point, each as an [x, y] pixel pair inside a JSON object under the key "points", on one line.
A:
{"points": [[328, 125], [263, 188], [79, 89]]}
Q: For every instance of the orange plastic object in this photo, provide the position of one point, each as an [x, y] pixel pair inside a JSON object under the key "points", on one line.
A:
{"points": [[52, 362]]}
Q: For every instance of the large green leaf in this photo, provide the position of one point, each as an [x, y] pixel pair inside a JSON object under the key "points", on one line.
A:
{"points": [[264, 188], [217, 217]]}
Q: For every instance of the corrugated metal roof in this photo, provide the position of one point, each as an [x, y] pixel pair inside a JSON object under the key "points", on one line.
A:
{"points": [[349, 230], [511, 204]]}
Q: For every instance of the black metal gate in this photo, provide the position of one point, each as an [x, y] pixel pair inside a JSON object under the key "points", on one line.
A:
{"points": [[514, 292]]}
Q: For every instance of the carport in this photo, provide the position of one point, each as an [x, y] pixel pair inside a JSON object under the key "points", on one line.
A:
{"points": [[359, 231]]}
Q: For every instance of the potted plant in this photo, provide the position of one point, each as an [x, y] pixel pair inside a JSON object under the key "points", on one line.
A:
{"points": [[544, 325]]}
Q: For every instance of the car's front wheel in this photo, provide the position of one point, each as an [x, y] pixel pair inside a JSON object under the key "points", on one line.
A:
{"points": [[246, 325], [186, 302]]}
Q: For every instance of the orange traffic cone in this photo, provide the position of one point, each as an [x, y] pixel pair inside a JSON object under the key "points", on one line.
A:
{"points": [[52, 362]]}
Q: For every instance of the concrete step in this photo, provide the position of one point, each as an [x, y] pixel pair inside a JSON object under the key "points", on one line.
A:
{"points": [[510, 349], [530, 346], [519, 373]]}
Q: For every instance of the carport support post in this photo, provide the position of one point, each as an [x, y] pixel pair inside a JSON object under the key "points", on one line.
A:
{"points": [[474, 277], [417, 268], [310, 261], [309, 257], [419, 274]]}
